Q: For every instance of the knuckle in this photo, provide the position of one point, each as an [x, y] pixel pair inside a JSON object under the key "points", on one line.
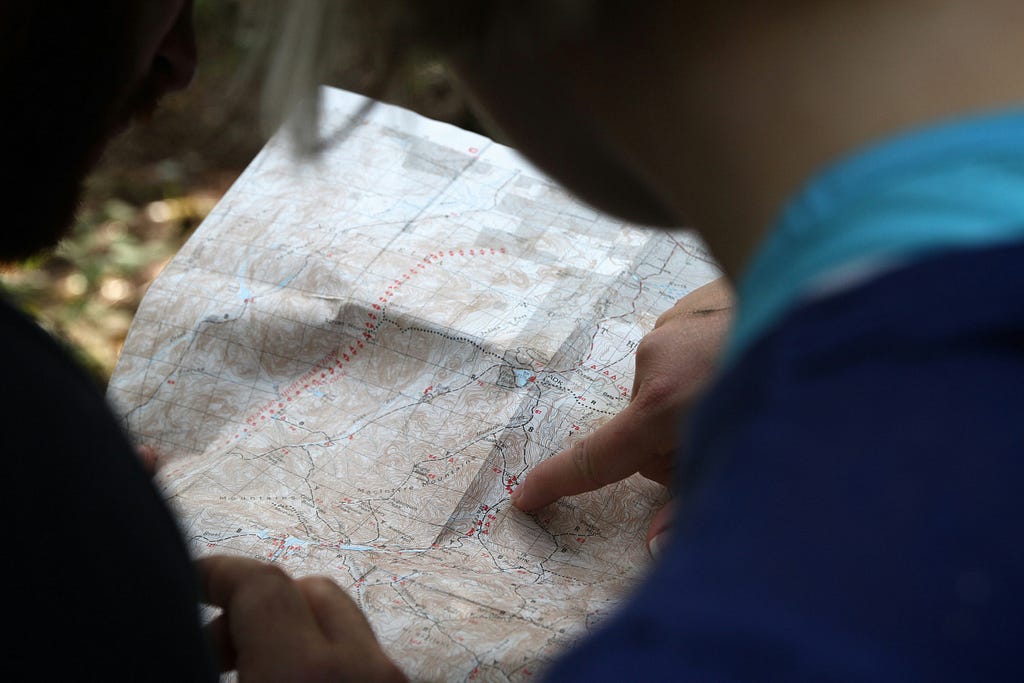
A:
{"points": [[656, 395], [320, 585], [270, 578], [649, 345], [271, 572], [583, 463], [262, 586], [665, 317]]}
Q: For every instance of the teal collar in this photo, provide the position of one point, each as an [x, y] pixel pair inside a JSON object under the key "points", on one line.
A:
{"points": [[954, 185]]}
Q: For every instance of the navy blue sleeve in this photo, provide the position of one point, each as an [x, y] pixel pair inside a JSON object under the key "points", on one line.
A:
{"points": [[851, 506], [100, 586]]}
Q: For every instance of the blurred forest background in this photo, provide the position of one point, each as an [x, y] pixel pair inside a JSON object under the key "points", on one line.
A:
{"points": [[158, 181]]}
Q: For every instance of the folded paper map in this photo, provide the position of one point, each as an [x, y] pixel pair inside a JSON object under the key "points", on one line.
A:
{"points": [[356, 358]]}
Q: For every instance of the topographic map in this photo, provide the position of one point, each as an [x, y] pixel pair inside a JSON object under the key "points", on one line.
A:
{"points": [[354, 360]]}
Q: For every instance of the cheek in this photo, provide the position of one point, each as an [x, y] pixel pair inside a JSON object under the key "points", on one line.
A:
{"points": [[534, 113]]}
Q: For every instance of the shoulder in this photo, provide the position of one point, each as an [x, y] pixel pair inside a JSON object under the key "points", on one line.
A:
{"points": [[853, 500], [104, 559]]}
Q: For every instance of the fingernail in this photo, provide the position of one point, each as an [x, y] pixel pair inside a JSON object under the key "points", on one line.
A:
{"points": [[656, 546]]}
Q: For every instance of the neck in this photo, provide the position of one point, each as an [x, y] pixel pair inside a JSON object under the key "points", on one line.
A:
{"points": [[755, 100]]}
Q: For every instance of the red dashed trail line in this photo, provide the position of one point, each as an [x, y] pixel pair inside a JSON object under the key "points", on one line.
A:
{"points": [[331, 367]]}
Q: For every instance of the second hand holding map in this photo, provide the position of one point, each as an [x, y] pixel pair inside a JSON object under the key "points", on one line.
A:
{"points": [[354, 361]]}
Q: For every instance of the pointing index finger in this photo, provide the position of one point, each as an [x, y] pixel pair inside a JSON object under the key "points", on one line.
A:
{"points": [[618, 449]]}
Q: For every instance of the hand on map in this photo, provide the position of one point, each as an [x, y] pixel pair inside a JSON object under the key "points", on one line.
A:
{"points": [[276, 628], [673, 363]]}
